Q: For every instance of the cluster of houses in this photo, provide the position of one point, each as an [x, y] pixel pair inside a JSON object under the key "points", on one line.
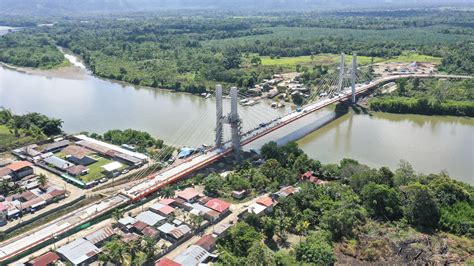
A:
{"points": [[31, 196], [82, 160]]}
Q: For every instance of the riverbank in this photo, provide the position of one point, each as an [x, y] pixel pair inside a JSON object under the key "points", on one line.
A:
{"points": [[64, 72]]}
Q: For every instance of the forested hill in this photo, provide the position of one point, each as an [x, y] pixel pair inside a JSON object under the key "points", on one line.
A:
{"points": [[57, 7]]}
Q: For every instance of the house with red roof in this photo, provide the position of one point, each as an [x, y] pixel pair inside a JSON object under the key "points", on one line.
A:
{"points": [[218, 205], [46, 259], [309, 176], [267, 202], [167, 201], [166, 262], [20, 169]]}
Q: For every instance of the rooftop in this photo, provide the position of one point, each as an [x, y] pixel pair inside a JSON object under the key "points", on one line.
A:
{"points": [[256, 208], [166, 210], [78, 251], [265, 201], [218, 205], [188, 193], [166, 262], [193, 255], [166, 228], [100, 235], [112, 166], [58, 162], [113, 147], [19, 165], [45, 259], [76, 151], [149, 217], [76, 169], [207, 242], [180, 231], [56, 145], [166, 201]]}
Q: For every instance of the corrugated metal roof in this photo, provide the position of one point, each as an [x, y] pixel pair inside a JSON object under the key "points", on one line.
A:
{"points": [[79, 251], [149, 217], [100, 235]]}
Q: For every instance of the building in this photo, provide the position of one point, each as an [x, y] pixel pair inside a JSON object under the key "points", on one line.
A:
{"points": [[256, 209], [194, 255], [207, 242], [78, 155], [47, 259], [168, 201], [126, 223], [112, 168], [218, 205], [5, 173], [77, 170], [166, 228], [180, 232], [56, 146], [79, 252], [285, 192], [100, 236], [166, 262], [309, 176], [58, 163], [189, 194], [239, 194], [161, 209], [150, 232], [267, 202], [150, 218], [20, 169]]}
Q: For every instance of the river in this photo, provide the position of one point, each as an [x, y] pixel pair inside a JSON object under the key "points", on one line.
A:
{"points": [[91, 104]]}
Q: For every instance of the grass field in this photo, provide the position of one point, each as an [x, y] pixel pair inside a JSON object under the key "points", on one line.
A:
{"points": [[8, 140], [330, 59], [95, 170]]}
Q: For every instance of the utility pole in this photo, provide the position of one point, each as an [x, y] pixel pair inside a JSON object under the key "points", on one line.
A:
{"points": [[353, 77], [234, 122], [341, 72], [219, 117]]}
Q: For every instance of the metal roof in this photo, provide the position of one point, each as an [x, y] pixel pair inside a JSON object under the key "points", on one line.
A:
{"points": [[193, 255], [58, 162], [149, 217], [100, 235], [79, 251]]}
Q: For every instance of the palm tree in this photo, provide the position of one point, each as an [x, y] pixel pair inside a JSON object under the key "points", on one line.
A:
{"points": [[167, 192], [117, 215], [302, 228], [148, 246], [196, 220], [42, 180]]}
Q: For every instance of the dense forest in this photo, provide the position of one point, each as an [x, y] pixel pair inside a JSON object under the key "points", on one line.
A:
{"points": [[428, 97], [363, 214], [191, 53]]}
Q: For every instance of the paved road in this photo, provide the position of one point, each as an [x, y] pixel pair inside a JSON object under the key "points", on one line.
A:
{"points": [[17, 245]]}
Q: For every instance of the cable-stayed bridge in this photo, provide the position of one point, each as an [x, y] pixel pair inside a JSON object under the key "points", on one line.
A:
{"points": [[343, 84]]}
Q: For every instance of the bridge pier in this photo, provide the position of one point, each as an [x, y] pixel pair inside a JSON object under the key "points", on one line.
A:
{"points": [[234, 121], [341, 72], [219, 118], [353, 77]]}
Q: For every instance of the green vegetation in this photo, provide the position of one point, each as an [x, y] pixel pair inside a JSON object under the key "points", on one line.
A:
{"points": [[193, 52], [429, 97], [17, 130], [369, 214], [132, 253], [139, 139], [30, 50]]}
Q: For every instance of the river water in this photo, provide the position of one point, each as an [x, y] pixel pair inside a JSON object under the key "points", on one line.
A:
{"points": [[429, 143]]}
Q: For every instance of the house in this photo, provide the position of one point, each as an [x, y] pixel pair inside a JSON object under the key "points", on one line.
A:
{"points": [[256, 209], [221, 229], [309, 176], [180, 232], [128, 160], [112, 169], [47, 259], [212, 216], [166, 228], [189, 194], [267, 202], [150, 218], [239, 194], [218, 205], [5, 173], [138, 226], [56, 146], [150, 232], [58, 163], [207, 242], [20, 169], [194, 255], [165, 210], [126, 223], [100, 236], [168, 201], [79, 252], [166, 262], [285, 191], [78, 155], [77, 170]]}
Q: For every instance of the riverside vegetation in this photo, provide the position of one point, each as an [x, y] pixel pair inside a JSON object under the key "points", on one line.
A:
{"points": [[428, 97]]}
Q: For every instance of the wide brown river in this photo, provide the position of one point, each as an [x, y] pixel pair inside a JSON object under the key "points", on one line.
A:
{"points": [[430, 143]]}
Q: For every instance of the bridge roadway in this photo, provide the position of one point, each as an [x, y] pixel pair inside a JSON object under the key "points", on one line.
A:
{"points": [[154, 182]]}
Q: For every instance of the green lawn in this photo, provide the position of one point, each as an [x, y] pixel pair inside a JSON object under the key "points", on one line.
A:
{"points": [[95, 170], [408, 57]]}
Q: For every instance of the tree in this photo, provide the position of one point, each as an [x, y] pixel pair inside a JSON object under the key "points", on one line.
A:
{"points": [[302, 228], [420, 208], [196, 220], [240, 238], [341, 221], [167, 191], [147, 245], [381, 201], [260, 254], [404, 174], [256, 61], [42, 180], [213, 184], [316, 249], [117, 215]]}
